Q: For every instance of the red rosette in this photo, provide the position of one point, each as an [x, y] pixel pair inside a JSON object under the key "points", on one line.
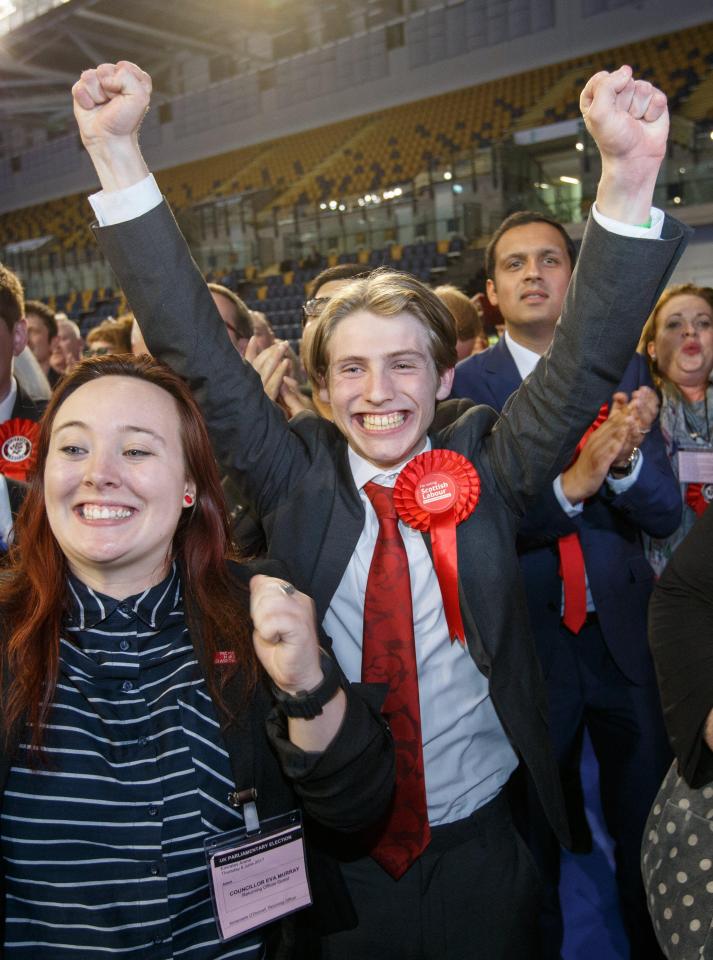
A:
{"points": [[434, 492], [699, 497], [18, 447]]}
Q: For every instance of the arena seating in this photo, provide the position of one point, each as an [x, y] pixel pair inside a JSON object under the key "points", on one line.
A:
{"points": [[362, 155]]}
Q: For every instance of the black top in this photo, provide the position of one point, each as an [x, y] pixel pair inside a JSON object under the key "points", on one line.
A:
{"points": [[681, 638]]}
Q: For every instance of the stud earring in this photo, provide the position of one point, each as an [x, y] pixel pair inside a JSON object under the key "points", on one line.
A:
{"points": [[188, 500]]}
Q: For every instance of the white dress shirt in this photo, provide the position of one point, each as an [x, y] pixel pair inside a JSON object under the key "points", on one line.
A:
{"points": [[6, 405]]}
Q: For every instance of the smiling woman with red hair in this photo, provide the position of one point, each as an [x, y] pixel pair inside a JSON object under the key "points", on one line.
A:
{"points": [[136, 669]]}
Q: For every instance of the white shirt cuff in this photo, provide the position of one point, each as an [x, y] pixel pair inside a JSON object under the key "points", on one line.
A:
{"points": [[629, 229], [117, 206], [622, 484], [571, 509]]}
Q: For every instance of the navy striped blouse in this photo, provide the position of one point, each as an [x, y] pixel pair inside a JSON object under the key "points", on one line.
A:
{"points": [[103, 848]]}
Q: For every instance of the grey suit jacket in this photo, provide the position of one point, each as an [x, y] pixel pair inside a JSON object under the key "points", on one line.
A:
{"points": [[297, 475]]}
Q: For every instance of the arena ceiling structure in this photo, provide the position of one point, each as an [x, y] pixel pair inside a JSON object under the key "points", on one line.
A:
{"points": [[45, 44]]}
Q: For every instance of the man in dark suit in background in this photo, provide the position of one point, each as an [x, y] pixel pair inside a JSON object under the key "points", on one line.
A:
{"points": [[382, 355], [597, 665], [18, 411]]}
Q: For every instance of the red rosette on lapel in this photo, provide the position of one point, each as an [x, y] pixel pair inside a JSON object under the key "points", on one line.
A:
{"points": [[18, 447], [699, 497], [434, 492]]}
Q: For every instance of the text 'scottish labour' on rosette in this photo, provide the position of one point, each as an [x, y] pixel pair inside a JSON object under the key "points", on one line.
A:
{"points": [[434, 492]]}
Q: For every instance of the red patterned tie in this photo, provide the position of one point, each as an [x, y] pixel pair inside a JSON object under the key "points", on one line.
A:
{"points": [[389, 656], [571, 568]]}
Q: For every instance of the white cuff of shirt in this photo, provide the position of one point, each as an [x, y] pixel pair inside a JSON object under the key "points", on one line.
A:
{"points": [[622, 484], [117, 206], [616, 485], [629, 229], [571, 509]]}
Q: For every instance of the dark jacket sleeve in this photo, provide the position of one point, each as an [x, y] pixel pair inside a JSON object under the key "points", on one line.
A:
{"points": [[653, 503], [349, 785], [182, 327], [681, 638]]}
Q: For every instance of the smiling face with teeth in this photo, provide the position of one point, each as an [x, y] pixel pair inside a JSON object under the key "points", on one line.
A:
{"points": [[382, 385], [114, 482]]}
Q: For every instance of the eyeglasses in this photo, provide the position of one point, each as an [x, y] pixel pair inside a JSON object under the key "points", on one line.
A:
{"points": [[312, 308], [97, 352]]}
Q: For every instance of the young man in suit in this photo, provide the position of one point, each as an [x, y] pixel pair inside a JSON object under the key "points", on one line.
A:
{"points": [[597, 665], [383, 353]]}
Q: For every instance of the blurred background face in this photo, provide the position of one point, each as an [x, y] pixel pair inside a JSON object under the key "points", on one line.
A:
{"points": [[262, 331], [683, 345], [99, 348], [68, 348], [226, 309], [38, 338], [114, 482]]}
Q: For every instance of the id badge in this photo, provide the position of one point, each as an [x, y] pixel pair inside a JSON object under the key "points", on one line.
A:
{"points": [[695, 466], [258, 876]]}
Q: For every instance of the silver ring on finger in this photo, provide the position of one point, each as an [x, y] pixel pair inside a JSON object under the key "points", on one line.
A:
{"points": [[288, 588]]}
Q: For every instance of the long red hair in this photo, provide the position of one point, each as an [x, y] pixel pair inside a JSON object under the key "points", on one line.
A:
{"points": [[33, 588]]}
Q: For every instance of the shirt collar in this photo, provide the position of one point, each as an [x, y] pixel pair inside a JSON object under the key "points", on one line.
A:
{"points": [[7, 405], [87, 607], [363, 470], [525, 359]]}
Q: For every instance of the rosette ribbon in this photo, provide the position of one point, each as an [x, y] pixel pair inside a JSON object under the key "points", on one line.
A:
{"points": [[435, 492], [699, 497], [18, 447]]}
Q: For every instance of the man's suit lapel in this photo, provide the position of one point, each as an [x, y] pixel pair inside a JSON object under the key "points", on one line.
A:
{"points": [[503, 375], [27, 408]]}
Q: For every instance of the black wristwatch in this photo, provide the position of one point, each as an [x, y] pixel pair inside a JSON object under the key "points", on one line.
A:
{"points": [[306, 704]]}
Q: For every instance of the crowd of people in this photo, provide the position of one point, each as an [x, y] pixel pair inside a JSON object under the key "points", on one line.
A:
{"points": [[298, 652]]}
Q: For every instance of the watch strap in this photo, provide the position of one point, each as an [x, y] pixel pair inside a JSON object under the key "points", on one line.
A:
{"points": [[306, 704]]}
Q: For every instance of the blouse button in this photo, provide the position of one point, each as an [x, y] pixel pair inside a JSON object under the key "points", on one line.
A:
{"points": [[124, 645], [127, 686]]}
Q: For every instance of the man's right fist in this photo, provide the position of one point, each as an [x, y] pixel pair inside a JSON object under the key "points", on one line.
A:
{"points": [[110, 102]]}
